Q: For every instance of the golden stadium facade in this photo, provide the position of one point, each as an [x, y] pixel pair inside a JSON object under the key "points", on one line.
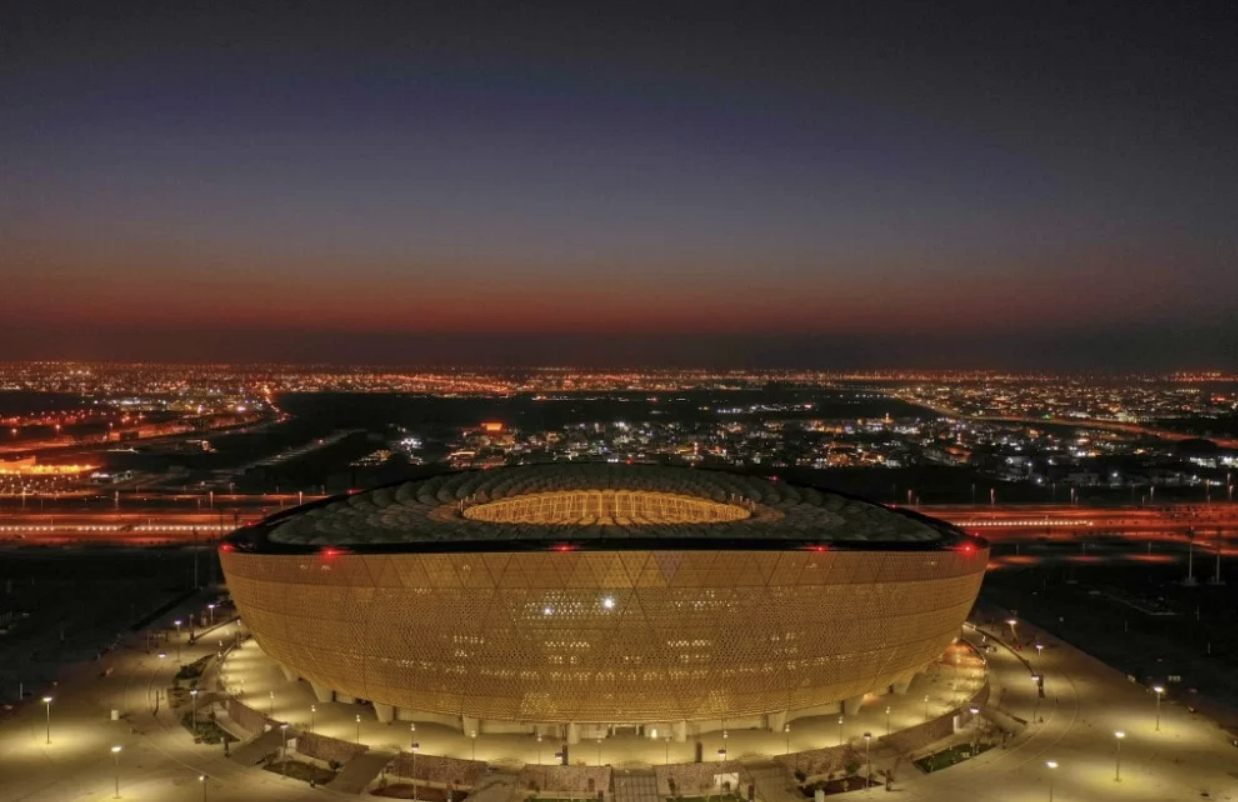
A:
{"points": [[586, 595]]}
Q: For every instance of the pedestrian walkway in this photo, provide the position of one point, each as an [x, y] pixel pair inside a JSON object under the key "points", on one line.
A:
{"points": [[359, 772], [635, 786], [253, 753], [498, 787], [772, 783]]}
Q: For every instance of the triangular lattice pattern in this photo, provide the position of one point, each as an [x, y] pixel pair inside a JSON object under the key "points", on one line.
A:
{"points": [[606, 636]]}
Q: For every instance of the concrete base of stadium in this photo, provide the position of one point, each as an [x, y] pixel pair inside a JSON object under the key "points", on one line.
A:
{"points": [[942, 686], [573, 732]]}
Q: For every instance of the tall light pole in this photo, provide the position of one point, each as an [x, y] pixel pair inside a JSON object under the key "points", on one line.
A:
{"points": [[313, 710], [1036, 705], [417, 746], [1117, 766], [358, 728], [193, 704], [1013, 622], [473, 738], [926, 700], [47, 701], [840, 730], [868, 738], [283, 752], [786, 729], [211, 608], [116, 755], [1052, 764], [1160, 690], [887, 719], [202, 779]]}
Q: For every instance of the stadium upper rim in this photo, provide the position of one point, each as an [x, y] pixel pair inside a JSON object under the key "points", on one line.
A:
{"points": [[440, 514]]}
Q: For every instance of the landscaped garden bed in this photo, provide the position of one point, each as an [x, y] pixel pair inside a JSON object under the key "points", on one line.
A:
{"points": [[193, 670], [424, 793], [948, 757], [206, 730], [841, 785], [306, 772]]}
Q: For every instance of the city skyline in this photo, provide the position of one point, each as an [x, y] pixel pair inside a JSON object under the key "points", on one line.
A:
{"points": [[713, 185]]}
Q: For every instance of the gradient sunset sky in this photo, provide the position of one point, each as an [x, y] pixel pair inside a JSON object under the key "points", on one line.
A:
{"points": [[732, 184]]}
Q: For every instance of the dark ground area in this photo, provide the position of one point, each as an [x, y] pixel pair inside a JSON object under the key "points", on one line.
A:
{"points": [[71, 605], [1131, 610]]}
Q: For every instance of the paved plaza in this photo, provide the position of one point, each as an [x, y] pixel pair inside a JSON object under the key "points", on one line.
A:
{"points": [[1073, 725]]}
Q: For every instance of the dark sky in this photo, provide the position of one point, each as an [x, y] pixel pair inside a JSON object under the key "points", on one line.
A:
{"points": [[819, 184]]}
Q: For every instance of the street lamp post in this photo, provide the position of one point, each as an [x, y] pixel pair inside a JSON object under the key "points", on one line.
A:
{"points": [[283, 752], [313, 710], [787, 731], [1052, 764], [202, 779], [47, 701], [473, 738], [1036, 705], [1160, 690], [1040, 648], [271, 704], [840, 730], [868, 737], [193, 704], [417, 746], [116, 755], [1117, 766], [358, 728], [926, 700], [599, 751], [211, 608], [887, 719]]}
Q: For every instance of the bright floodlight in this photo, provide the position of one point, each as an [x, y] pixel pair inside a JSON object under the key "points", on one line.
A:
{"points": [[1159, 689], [608, 603], [116, 749], [1051, 764], [47, 700], [1119, 735]]}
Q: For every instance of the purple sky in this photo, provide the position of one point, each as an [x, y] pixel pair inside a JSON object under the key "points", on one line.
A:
{"points": [[749, 184]]}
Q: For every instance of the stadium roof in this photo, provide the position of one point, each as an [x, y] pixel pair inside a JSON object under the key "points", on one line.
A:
{"points": [[556, 506]]}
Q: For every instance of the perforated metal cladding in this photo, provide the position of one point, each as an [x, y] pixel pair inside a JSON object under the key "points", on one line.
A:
{"points": [[606, 637]]}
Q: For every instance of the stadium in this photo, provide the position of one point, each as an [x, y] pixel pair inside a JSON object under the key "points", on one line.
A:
{"points": [[574, 596]]}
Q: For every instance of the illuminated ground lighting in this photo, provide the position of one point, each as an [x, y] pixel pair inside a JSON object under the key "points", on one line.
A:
{"points": [[579, 593], [1025, 523]]}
